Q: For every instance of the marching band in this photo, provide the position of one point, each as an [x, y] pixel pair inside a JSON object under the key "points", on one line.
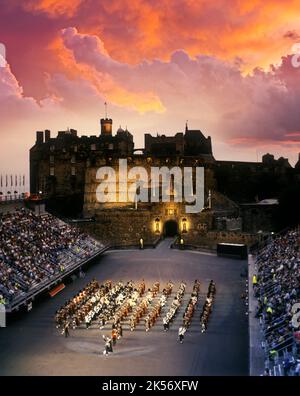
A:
{"points": [[102, 303]]}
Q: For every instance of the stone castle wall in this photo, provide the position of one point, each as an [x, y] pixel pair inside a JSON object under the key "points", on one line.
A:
{"points": [[125, 223], [126, 227], [210, 239], [92, 206]]}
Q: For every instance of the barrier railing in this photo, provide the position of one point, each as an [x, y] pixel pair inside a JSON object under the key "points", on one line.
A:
{"points": [[11, 198], [26, 297]]}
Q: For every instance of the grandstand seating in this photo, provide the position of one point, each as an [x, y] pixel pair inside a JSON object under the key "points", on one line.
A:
{"points": [[35, 249], [277, 290]]}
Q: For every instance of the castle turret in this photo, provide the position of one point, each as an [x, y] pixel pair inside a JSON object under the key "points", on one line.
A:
{"points": [[106, 126]]}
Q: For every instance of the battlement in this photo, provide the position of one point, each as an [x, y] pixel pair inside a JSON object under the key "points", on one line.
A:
{"points": [[190, 143]]}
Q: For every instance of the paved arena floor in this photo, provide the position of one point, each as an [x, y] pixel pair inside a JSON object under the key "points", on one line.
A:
{"points": [[32, 345]]}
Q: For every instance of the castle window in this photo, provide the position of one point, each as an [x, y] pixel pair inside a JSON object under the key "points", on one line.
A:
{"points": [[52, 171], [73, 171], [171, 212], [51, 159], [110, 146], [93, 147], [73, 159], [75, 149], [52, 148]]}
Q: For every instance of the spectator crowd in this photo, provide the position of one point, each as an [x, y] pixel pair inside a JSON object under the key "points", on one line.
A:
{"points": [[34, 248], [276, 285]]}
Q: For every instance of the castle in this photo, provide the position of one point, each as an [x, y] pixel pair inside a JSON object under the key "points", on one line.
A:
{"points": [[63, 169]]}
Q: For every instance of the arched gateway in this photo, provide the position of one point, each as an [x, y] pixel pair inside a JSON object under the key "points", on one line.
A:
{"points": [[170, 228]]}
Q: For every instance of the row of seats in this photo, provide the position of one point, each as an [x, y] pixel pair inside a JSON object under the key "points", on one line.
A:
{"points": [[277, 288], [35, 248]]}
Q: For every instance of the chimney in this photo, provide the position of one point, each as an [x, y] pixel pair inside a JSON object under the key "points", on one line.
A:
{"points": [[39, 137], [47, 135]]}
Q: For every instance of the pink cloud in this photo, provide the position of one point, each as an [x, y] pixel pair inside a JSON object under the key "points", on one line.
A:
{"points": [[22, 115], [249, 109], [241, 112]]}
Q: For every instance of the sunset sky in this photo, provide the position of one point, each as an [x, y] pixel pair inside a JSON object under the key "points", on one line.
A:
{"points": [[225, 66]]}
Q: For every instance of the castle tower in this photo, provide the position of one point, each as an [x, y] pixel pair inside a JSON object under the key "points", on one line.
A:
{"points": [[106, 124]]}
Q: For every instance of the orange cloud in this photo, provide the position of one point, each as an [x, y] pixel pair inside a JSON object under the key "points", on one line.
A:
{"points": [[258, 32], [142, 101], [239, 109], [54, 7], [157, 62]]}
